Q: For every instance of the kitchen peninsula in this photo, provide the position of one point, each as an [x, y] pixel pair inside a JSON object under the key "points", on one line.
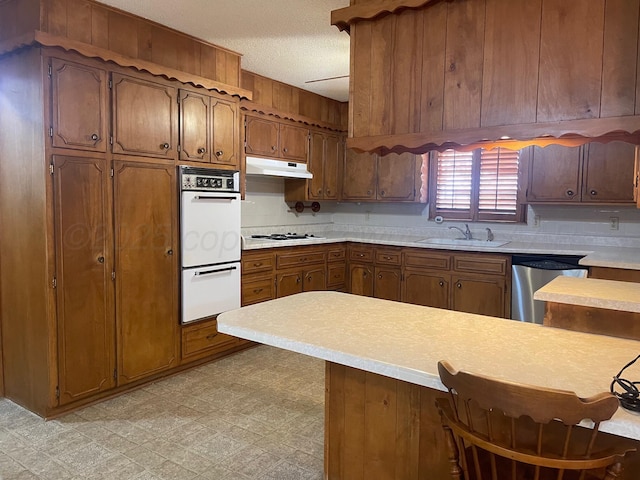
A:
{"points": [[381, 375]]}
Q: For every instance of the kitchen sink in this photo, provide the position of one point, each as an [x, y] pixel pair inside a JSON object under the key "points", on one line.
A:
{"points": [[464, 242]]}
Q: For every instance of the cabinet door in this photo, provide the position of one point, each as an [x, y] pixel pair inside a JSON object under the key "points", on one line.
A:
{"points": [[261, 137], [225, 132], [396, 177], [554, 174], [608, 172], [194, 127], [145, 207], [79, 105], [430, 289], [361, 280], [288, 283], [484, 296], [333, 158], [316, 166], [84, 294], [294, 142], [359, 178], [143, 117], [387, 283], [315, 279]]}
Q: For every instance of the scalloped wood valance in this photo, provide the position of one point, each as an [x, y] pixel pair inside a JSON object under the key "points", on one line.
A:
{"points": [[344, 17], [247, 106]]}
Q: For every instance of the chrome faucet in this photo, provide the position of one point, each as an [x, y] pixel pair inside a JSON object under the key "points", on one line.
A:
{"points": [[489, 235], [467, 233]]}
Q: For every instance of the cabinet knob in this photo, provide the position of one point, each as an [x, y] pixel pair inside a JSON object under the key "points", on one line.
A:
{"points": [[319, 191], [297, 279], [212, 336], [257, 290], [165, 146], [274, 148], [202, 150], [570, 193], [309, 278], [593, 192], [382, 193], [368, 192], [257, 264], [95, 137], [170, 252], [328, 192], [441, 283], [219, 153], [380, 276], [364, 274], [100, 259], [285, 149], [459, 285]]}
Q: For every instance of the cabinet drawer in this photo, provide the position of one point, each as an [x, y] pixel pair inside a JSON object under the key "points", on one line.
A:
{"points": [[361, 253], [336, 253], [336, 275], [387, 256], [204, 338], [255, 291], [480, 264], [261, 262], [431, 260], [292, 259]]}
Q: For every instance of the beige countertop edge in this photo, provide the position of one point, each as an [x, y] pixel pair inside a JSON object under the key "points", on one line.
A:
{"points": [[364, 333], [591, 292]]}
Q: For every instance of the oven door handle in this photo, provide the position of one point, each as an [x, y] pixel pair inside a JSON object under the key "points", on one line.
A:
{"points": [[209, 272], [202, 197]]}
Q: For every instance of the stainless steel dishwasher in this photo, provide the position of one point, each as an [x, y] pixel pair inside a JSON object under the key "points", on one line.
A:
{"points": [[532, 272]]}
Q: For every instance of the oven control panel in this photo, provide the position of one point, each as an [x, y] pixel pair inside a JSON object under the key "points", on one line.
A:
{"points": [[208, 180]]}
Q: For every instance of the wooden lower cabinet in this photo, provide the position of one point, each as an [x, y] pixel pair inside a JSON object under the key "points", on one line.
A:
{"points": [[202, 339], [619, 274], [303, 280], [145, 213], [387, 283], [361, 278], [484, 296], [427, 289], [84, 293]]}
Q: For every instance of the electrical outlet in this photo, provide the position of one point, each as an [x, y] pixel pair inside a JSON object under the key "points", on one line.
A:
{"points": [[536, 221], [614, 223]]}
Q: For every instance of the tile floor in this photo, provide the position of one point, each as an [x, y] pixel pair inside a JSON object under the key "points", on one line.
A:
{"points": [[255, 415]]}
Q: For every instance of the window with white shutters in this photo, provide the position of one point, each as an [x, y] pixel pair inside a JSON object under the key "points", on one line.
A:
{"points": [[476, 185]]}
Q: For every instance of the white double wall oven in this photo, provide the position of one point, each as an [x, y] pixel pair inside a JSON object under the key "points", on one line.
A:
{"points": [[210, 241]]}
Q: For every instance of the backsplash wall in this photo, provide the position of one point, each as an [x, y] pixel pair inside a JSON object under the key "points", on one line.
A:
{"points": [[265, 207]]}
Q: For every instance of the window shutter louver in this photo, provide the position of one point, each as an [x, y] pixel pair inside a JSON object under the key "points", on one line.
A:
{"points": [[498, 191], [454, 180]]}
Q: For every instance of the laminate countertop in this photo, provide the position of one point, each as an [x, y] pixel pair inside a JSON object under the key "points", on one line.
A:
{"points": [[600, 256], [405, 342], [591, 292]]}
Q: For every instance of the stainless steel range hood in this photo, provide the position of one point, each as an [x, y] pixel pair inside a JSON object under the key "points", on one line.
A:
{"points": [[276, 168]]}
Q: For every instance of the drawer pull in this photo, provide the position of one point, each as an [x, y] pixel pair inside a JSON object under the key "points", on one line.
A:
{"points": [[257, 264], [257, 290], [212, 336], [441, 283], [361, 254], [387, 258], [459, 285]]}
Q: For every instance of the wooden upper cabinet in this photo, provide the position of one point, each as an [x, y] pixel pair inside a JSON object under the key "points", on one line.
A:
{"points": [[293, 142], [316, 166], [145, 213], [636, 177], [277, 140], [608, 172], [84, 293], [326, 153], [209, 129], [554, 174], [333, 160], [144, 115], [195, 127], [396, 177], [261, 137], [79, 106], [359, 177], [225, 132]]}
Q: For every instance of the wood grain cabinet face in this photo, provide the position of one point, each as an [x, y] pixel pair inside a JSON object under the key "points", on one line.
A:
{"points": [[359, 176], [430, 289], [84, 293], [483, 296], [274, 139], [144, 114], [202, 339], [208, 129], [146, 266], [361, 279], [79, 106], [594, 173], [387, 283]]}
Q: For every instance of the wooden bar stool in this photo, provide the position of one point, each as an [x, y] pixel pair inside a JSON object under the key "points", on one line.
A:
{"points": [[498, 430]]}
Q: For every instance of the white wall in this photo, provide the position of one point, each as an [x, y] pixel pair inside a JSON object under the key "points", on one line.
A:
{"points": [[265, 207]]}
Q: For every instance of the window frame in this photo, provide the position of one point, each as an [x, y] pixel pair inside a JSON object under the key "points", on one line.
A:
{"points": [[473, 214]]}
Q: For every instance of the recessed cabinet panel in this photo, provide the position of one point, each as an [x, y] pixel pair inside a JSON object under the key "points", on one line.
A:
{"points": [[261, 137], [359, 177], [361, 280], [387, 284], [146, 267], [293, 142], [426, 288], [84, 293], [396, 177], [143, 117], [225, 132], [608, 172], [554, 174], [79, 104], [194, 127], [483, 296]]}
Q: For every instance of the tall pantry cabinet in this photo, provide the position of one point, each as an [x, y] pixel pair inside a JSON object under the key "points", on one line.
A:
{"points": [[88, 207]]}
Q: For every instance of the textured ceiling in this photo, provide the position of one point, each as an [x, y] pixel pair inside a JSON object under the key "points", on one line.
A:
{"points": [[291, 41]]}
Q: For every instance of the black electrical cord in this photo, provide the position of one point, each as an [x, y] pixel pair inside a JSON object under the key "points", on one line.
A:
{"points": [[630, 398]]}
